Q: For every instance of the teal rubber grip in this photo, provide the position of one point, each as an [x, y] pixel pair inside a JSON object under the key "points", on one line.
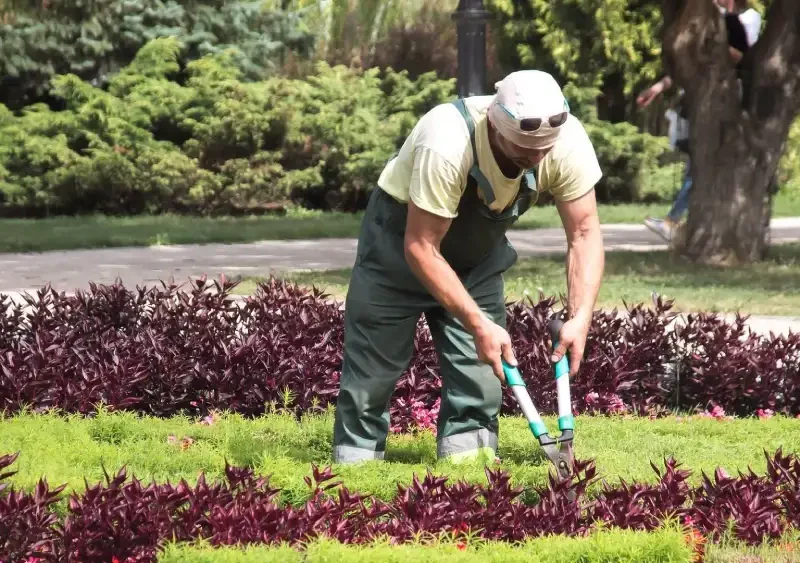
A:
{"points": [[512, 374], [566, 422], [538, 428], [562, 367]]}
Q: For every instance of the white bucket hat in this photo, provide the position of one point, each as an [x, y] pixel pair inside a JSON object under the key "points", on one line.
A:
{"points": [[529, 109]]}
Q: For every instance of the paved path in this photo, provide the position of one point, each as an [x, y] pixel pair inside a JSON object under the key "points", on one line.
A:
{"points": [[68, 270]]}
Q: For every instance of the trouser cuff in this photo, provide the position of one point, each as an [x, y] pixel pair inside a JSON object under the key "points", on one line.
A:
{"points": [[351, 454], [467, 443]]}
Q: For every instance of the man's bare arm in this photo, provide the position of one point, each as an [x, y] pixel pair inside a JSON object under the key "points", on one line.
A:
{"points": [[424, 234], [585, 263]]}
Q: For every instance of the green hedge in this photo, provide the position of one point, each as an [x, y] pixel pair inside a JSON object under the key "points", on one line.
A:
{"points": [[202, 139], [94, 40], [618, 546]]}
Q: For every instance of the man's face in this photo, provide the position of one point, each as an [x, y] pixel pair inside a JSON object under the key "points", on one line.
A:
{"points": [[522, 157]]}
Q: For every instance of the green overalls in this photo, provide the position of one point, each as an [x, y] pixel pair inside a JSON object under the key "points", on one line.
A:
{"points": [[383, 305]]}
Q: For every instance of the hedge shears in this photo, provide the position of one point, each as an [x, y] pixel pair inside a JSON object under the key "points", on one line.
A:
{"points": [[558, 450]]}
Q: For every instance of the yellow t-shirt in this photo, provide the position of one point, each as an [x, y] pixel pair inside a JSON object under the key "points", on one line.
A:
{"points": [[432, 167]]}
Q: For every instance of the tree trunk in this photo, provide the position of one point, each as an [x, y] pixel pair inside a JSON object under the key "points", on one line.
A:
{"points": [[737, 130]]}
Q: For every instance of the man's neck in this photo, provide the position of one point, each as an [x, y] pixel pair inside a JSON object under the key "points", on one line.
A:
{"points": [[509, 169]]}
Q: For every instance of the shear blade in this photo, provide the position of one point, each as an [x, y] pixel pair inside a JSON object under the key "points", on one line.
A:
{"points": [[561, 458]]}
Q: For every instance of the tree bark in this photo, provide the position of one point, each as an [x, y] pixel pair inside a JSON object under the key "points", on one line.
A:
{"points": [[737, 132]]}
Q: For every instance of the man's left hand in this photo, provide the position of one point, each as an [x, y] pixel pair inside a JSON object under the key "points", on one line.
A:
{"points": [[573, 338]]}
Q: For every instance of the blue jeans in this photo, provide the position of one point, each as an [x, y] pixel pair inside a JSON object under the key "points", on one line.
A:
{"points": [[681, 203]]}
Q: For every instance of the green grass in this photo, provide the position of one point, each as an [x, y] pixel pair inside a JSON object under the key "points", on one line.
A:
{"points": [[665, 545], [768, 288], [783, 550], [97, 231], [67, 449]]}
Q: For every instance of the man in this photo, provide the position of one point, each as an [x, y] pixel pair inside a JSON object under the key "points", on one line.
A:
{"points": [[740, 39], [433, 241]]}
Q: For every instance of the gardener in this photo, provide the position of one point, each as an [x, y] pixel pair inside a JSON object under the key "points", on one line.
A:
{"points": [[433, 241]]}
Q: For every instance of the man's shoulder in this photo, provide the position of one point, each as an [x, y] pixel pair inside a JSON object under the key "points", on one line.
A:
{"points": [[447, 113], [443, 130]]}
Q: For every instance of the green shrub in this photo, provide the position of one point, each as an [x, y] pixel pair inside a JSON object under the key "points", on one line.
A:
{"points": [[203, 140], [94, 40], [627, 156]]}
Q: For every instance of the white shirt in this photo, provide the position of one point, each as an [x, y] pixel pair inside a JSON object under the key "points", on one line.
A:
{"points": [[751, 20]]}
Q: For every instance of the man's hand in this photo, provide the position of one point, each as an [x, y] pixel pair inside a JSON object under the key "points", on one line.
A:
{"points": [[649, 94], [585, 264], [493, 345], [573, 338]]}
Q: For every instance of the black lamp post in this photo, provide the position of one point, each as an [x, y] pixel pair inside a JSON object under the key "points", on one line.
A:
{"points": [[471, 18]]}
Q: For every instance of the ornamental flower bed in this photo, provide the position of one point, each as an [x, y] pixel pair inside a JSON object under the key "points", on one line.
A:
{"points": [[167, 350], [126, 521]]}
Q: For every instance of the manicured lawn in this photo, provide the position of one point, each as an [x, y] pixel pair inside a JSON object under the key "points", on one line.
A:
{"points": [[619, 546], [64, 233], [69, 449], [768, 288], [82, 452]]}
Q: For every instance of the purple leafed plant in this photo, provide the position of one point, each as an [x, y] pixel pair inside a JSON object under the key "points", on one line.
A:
{"points": [[124, 520], [165, 350], [27, 523]]}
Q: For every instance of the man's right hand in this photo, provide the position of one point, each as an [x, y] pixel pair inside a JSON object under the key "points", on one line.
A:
{"points": [[493, 345]]}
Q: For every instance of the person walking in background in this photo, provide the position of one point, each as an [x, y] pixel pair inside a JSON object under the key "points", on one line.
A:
{"points": [[743, 25]]}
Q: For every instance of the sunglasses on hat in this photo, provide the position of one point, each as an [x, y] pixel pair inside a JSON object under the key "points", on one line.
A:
{"points": [[531, 124]]}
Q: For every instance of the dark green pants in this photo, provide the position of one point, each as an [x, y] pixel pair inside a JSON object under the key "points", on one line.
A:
{"points": [[384, 303]]}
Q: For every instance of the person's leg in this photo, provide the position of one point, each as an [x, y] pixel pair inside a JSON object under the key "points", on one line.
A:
{"points": [[681, 203], [471, 394], [384, 302], [666, 227], [378, 344]]}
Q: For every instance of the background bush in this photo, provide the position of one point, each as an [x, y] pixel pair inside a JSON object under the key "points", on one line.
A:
{"points": [[201, 139], [94, 40], [148, 106]]}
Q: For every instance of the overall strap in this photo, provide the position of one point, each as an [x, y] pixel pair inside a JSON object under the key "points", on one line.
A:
{"points": [[475, 171]]}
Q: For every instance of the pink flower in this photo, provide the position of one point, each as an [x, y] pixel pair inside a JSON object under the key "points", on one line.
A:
{"points": [[172, 440], [210, 419], [765, 413], [689, 521], [717, 412]]}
